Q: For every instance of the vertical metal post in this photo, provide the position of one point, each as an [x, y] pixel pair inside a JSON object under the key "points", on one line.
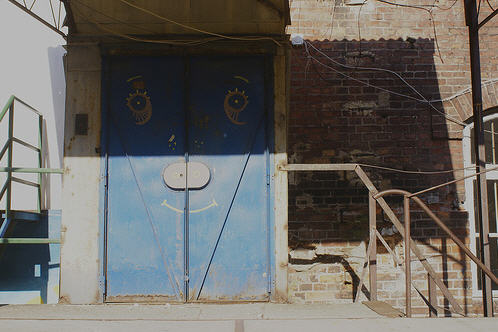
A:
{"points": [[431, 286], [408, 270], [471, 19], [186, 232], [40, 165], [372, 256], [8, 201]]}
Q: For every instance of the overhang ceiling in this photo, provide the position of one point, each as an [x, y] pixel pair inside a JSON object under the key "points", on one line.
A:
{"points": [[166, 17]]}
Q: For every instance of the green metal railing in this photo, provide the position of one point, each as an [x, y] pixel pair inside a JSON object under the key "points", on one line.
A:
{"points": [[10, 170]]}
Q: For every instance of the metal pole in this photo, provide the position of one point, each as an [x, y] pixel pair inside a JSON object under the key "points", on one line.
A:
{"points": [[372, 255], [471, 19], [408, 270], [431, 285], [8, 201], [40, 160], [7, 188]]}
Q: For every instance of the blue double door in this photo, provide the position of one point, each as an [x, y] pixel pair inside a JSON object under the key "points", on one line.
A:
{"points": [[188, 185]]}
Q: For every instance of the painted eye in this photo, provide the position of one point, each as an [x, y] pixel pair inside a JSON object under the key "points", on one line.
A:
{"points": [[235, 102], [140, 106], [138, 102]]}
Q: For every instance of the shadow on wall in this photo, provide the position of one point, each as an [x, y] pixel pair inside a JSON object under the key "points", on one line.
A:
{"points": [[29, 274], [53, 152], [347, 114], [57, 78]]}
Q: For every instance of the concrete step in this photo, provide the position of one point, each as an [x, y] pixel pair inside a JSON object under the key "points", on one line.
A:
{"points": [[220, 318], [16, 216], [191, 311], [24, 216]]}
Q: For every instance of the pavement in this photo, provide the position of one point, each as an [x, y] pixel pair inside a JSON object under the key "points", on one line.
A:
{"points": [[220, 318]]}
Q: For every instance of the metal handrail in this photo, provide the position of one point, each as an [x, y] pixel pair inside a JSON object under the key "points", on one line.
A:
{"points": [[8, 149], [32, 170], [10, 102], [407, 235], [370, 259], [7, 107]]}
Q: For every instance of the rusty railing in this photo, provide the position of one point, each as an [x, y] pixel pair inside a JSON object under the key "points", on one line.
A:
{"points": [[376, 197]]}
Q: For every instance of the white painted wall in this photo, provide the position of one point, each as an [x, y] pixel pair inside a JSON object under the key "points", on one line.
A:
{"points": [[31, 67]]}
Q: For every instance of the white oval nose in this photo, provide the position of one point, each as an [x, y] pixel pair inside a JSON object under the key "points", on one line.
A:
{"points": [[177, 175]]}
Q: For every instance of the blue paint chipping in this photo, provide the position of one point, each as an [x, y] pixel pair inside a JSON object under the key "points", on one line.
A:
{"points": [[209, 110]]}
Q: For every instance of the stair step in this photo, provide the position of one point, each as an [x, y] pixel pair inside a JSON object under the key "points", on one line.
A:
{"points": [[27, 216]]}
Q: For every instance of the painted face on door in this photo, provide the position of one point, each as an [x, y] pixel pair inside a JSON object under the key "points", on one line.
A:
{"points": [[188, 215]]}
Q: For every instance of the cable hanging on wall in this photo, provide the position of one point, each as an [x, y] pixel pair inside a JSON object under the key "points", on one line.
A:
{"points": [[194, 42], [422, 99]]}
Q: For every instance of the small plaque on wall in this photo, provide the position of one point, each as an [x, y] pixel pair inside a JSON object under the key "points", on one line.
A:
{"points": [[81, 124]]}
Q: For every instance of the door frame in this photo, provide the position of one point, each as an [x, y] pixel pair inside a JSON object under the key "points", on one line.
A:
{"points": [[276, 76]]}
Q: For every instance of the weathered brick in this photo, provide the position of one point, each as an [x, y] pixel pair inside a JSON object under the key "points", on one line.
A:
{"points": [[336, 119]]}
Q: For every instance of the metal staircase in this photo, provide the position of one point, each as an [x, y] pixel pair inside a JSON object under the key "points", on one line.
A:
{"points": [[9, 217]]}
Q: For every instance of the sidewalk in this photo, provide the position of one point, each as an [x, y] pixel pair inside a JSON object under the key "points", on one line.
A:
{"points": [[221, 318]]}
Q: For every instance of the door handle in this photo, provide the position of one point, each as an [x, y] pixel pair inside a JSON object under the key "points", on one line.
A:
{"points": [[177, 175]]}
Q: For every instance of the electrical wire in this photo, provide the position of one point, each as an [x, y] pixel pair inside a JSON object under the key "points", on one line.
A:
{"points": [[452, 181], [219, 36], [195, 42], [431, 18], [80, 3], [447, 8], [332, 18], [187, 27], [414, 6], [310, 57], [359, 26], [357, 80], [464, 91], [423, 7], [367, 68], [397, 170], [138, 39], [306, 44], [419, 7], [422, 99], [377, 87]]}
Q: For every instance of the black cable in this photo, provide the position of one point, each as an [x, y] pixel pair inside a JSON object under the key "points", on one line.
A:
{"points": [[447, 8], [431, 18], [359, 28]]}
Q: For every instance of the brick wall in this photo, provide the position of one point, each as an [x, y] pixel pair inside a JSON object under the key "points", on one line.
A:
{"points": [[335, 118]]}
